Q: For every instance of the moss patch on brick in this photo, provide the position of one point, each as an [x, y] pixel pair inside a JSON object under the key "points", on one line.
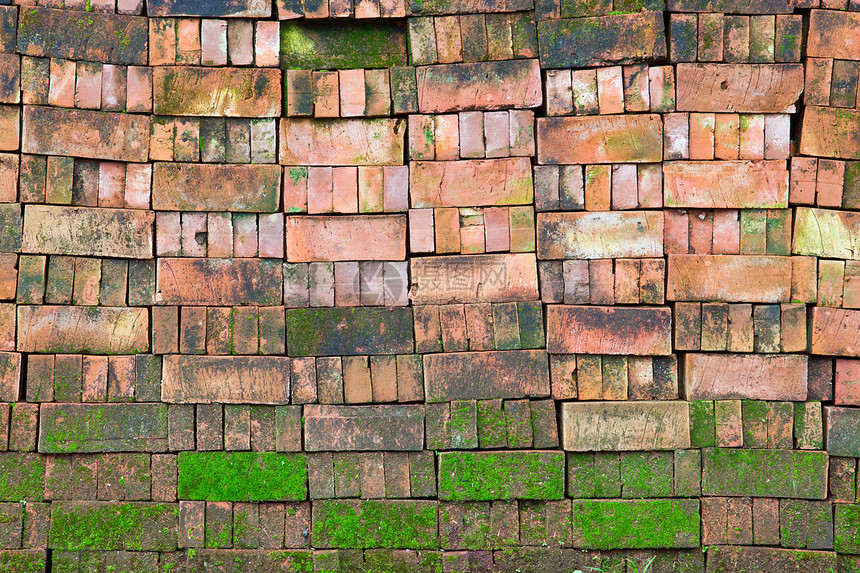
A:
{"points": [[106, 526], [334, 45], [242, 476], [366, 524], [640, 524], [501, 475], [22, 477]]}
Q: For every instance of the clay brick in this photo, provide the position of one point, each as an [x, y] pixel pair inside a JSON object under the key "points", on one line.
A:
{"points": [[825, 233], [599, 235], [219, 282], [625, 426], [444, 280], [583, 139], [341, 142], [466, 376], [242, 188], [94, 134], [584, 42], [462, 87], [706, 277], [741, 184], [764, 473], [830, 132], [241, 9], [471, 183], [752, 377], [94, 232], [751, 88], [101, 330], [832, 35], [363, 428], [107, 427], [231, 92], [204, 379], [327, 239], [831, 332], [583, 330]]}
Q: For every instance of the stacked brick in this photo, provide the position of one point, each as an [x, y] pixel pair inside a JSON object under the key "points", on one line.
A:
{"points": [[401, 285]]}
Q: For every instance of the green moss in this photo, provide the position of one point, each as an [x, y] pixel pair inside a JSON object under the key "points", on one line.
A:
{"points": [[349, 331], [242, 476], [702, 424], [641, 524], [764, 473], [646, 474], [375, 524], [308, 45], [22, 562], [109, 526], [501, 475]]}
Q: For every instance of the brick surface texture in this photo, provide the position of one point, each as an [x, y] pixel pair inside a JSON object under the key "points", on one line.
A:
{"points": [[430, 286]]}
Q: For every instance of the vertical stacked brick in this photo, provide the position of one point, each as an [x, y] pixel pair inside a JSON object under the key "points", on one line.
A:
{"points": [[401, 285]]}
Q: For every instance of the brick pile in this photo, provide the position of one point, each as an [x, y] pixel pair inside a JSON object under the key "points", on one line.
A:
{"points": [[429, 285]]}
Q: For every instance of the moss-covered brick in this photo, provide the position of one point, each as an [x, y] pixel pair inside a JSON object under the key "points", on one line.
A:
{"points": [[530, 318], [851, 185], [354, 524], [107, 526], [646, 474], [501, 475], [23, 561], [754, 423], [806, 524], [465, 525], [764, 473], [404, 90], [703, 433], [109, 561], [250, 561], [80, 35], [724, 559], [639, 524], [593, 474], [80, 428], [210, 8], [309, 45], [846, 538], [11, 225], [349, 331], [242, 476]]}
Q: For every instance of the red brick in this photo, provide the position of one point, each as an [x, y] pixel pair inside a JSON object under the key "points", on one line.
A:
{"points": [[676, 136], [473, 278], [726, 184], [266, 44], [601, 330], [745, 376], [751, 144], [471, 183], [352, 93], [341, 142], [363, 428], [600, 235], [230, 92], [88, 88], [830, 132], [750, 88], [331, 238], [634, 139], [729, 278], [625, 426], [825, 233], [486, 375], [461, 87], [100, 330], [219, 281], [94, 386], [94, 134], [834, 34], [204, 379]]}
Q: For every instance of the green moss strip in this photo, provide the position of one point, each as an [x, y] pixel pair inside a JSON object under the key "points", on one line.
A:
{"points": [[242, 476], [641, 524], [367, 524], [483, 476]]}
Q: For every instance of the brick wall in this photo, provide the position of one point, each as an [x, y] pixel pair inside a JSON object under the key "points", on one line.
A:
{"points": [[429, 286]]}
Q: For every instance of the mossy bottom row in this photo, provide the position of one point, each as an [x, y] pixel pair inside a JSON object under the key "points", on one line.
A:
{"points": [[715, 559]]}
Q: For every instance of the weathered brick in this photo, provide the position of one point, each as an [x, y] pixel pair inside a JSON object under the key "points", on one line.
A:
{"points": [[106, 526], [601, 139], [95, 330], [93, 36], [88, 231], [342, 45], [722, 559], [201, 187], [600, 235], [215, 9], [729, 278], [349, 331], [598, 41], [323, 238], [830, 132], [219, 282], [726, 184], [826, 233], [636, 524], [833, 34], [222, 379], [625, 426], [359, 524], [846, 538], [364, 428], [85, 133], [486, 375], [841, 425], [473, 278], [22, 477], [81, 428], [467, 86], [745, 376], [229, 92], [764, 473], [242, 476], [501, 475], [342, 141], [749, 88], [473, 183], [834, 331], [608, 330]]}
